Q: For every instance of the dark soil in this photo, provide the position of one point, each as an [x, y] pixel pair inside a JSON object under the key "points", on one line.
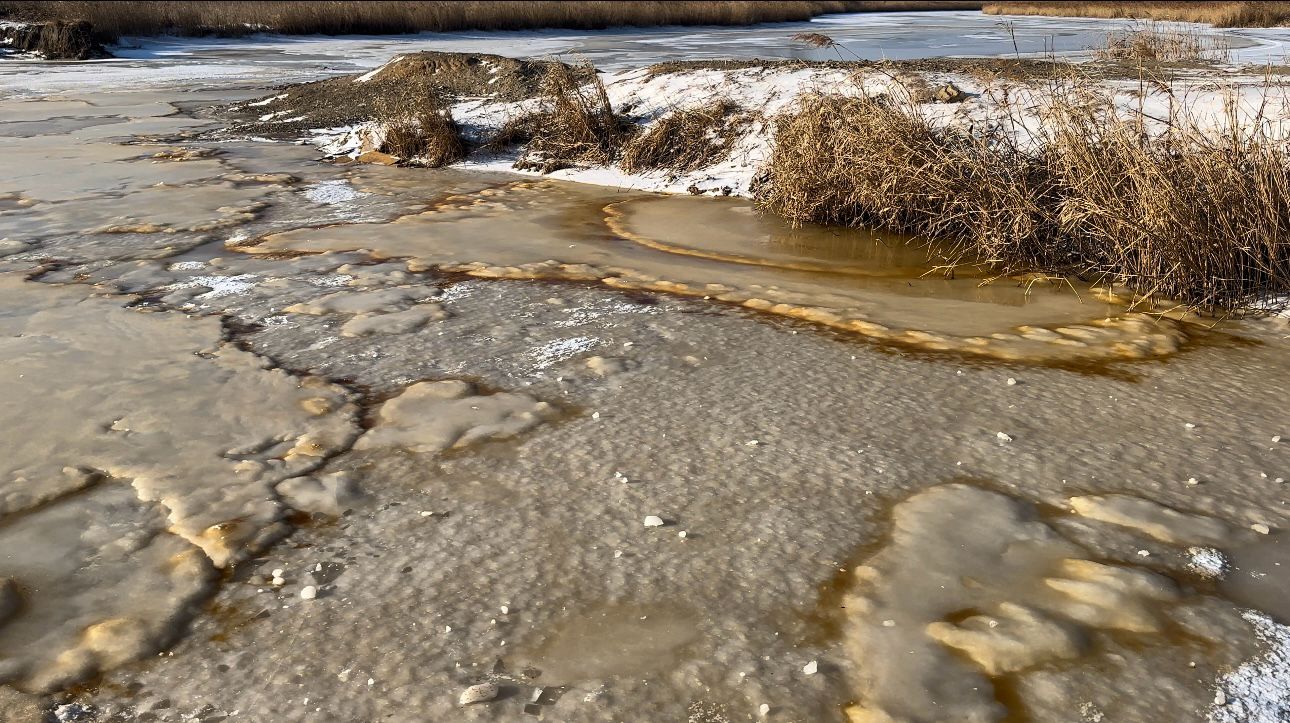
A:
{"points": [[441, 77]]}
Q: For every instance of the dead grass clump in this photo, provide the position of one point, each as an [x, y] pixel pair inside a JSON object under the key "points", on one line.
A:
{"points": [[1192, 214], [577, 126], [1155, 42], [431, 139], [56, 40], [815, 40], [1197, 215], [418, 130], [516, 131], [686, 139], [869, 162]]}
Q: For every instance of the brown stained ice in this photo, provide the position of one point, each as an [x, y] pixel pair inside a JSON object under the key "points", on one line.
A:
{"points": [[145, 453], [103, 377], [430, 417], [974, 586], [561, 231]]}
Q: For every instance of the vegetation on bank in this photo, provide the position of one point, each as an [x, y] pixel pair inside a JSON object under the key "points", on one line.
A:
{"points": [[1061, 181], [1255, 14], [70, 40], [1193, 215], [1157, 42], [184, 17]]}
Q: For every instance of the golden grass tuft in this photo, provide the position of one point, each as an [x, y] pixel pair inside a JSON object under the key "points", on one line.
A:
{"points": [[1163, 43], [577, 126], [815, 40], [418, 130], [1198, 216], [687, 139]]}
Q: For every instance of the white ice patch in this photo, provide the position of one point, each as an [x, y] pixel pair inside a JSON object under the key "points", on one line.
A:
{"points": [[377, 71], [187, 266], [1207, 562], [455, 292], [554, 352], [1259, 690], [267, 101], [219, 285], [586, 314], [332, 280], [331, 193]]}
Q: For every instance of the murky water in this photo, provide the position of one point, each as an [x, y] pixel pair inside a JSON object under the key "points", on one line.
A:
{"points": [[504, 380]]}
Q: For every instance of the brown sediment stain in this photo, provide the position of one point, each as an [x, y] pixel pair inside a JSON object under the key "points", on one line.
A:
{"points": [[1100, 626], [614, 220], [1080, 342], [1127, 338]]}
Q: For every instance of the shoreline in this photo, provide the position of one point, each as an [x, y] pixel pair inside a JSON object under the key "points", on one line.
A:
{"points": [[1014, 101]]}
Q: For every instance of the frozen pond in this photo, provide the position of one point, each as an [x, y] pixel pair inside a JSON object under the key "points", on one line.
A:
{"points": [[308, 441], [223, 63]]}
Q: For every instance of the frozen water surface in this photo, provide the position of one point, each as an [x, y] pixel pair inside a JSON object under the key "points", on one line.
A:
{"points": [[346, 442]]}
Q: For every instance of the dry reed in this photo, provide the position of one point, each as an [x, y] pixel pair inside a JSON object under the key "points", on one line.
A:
{"points": [[419, 130], [1188, 214], [577, 126], [1159, 42], [1218, 14], [59, 40], [686, 139], [159, 17]]}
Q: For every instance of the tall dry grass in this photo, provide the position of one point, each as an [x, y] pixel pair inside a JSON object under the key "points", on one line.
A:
{"points": [[1192, 214], [419, 128], [1154, 41], [1218, 14], [59, 40], [577, 126], [686, 139], [158, 17]]}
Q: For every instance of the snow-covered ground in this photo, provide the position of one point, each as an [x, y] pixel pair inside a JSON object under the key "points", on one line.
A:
{"points": [[1202, 99]]}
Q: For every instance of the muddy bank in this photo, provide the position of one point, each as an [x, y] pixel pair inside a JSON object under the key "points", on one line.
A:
{"points": [[393, 90]]}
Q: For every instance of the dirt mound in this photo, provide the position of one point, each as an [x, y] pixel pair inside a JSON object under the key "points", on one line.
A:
{"points": [[355, 98], [57, 40]]}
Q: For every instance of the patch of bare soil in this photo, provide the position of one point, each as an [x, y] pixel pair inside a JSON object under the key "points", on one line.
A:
{"points": [[356, 98]]}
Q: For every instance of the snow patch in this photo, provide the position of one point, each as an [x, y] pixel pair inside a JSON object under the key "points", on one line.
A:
{"points": [[554, 352], [266, 101], [219, 285], [1207, 562], [331, 193], [377, 71], [1259, 690]]}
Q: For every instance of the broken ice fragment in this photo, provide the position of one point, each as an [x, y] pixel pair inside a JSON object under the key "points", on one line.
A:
{"points": [[480, 693]]}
